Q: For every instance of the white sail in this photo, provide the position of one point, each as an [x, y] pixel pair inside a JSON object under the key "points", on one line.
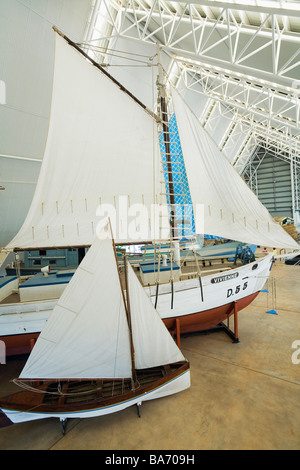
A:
{"points": [[101, 145], [153, 344], [87, 335], [231, 209], [103, 149]]}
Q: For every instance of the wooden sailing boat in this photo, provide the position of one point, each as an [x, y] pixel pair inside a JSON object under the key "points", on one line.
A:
{"points": [[103, 152], [99, 352]]}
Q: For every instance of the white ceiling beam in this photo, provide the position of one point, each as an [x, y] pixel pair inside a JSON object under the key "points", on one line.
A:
{"points": [[214, 44], [227, 32], [269, 10]]}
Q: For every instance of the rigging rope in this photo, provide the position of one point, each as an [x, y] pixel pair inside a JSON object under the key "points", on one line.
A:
{"points": [[103, 51], [30, 388]]}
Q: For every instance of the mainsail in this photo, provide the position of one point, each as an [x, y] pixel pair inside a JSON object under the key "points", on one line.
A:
{"points": [[151, 338], [88, 327], [101, 145], [231, 209], [102, 152], [86, 335]]}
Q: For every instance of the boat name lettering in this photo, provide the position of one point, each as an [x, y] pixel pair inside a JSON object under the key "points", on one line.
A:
{"points": [[227, 277]]}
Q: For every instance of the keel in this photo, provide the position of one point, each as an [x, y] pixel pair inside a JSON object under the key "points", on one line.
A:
{"points": [[4, 420], [64, 425]]}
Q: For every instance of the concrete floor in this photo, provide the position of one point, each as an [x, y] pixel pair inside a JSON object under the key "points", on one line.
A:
{"points": [[243, 396]]}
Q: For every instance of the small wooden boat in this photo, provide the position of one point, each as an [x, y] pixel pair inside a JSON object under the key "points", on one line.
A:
{"points": [[107, 351], [89, 398]]}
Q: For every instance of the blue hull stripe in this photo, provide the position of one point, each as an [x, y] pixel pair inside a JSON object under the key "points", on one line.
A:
{"points": [[103, 407]]}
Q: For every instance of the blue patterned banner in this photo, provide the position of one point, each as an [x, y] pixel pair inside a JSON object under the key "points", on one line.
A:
{"points": [[183, 202]]}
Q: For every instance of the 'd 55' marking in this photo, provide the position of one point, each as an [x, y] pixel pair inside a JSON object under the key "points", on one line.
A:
{"points": [[231, 292]]}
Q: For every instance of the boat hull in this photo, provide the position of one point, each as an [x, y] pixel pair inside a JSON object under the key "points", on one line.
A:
{"points": [[21, 324], [189, 323], [186, 305], [16, 345], [30, 405], [199, 321], [203, 307]]}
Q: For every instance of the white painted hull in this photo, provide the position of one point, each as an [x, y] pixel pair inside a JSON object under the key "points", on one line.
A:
{"points": [[24, 318], [187, 294], [7, 286], [176, 385]]}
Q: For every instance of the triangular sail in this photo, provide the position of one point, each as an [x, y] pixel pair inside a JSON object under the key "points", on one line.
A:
{"points": [[231, 209], [87, 335], [153, 344], [101, 145]]}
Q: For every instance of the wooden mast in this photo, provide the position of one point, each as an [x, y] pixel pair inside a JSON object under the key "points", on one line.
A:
{"points": [[147, 110], [127, 308], [162, 95], [134, 375], [98, 66]]}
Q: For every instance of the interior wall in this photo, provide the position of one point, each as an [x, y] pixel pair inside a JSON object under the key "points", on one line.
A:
{"points": [[274, 186], [26, 72]]}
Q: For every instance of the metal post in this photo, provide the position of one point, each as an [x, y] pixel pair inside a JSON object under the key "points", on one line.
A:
{"points": [[178, 332], [236, 333]]}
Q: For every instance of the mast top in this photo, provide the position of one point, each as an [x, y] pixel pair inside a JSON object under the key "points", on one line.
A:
{"points": [[73, 44]]}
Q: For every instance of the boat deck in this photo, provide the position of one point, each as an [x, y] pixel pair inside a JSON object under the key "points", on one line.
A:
{"points": [[82, 395], [189, 270]]}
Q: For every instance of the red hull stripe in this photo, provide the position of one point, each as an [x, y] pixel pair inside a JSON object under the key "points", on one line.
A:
{"points": [[23, 343]]}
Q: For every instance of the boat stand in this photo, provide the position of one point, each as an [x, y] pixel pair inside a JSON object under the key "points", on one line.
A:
{"points": [[232, 334], [139, 408], [175, 331], [222, 327]]}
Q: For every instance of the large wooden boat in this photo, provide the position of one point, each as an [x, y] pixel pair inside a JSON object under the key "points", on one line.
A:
{"points": [[108, 154]]}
